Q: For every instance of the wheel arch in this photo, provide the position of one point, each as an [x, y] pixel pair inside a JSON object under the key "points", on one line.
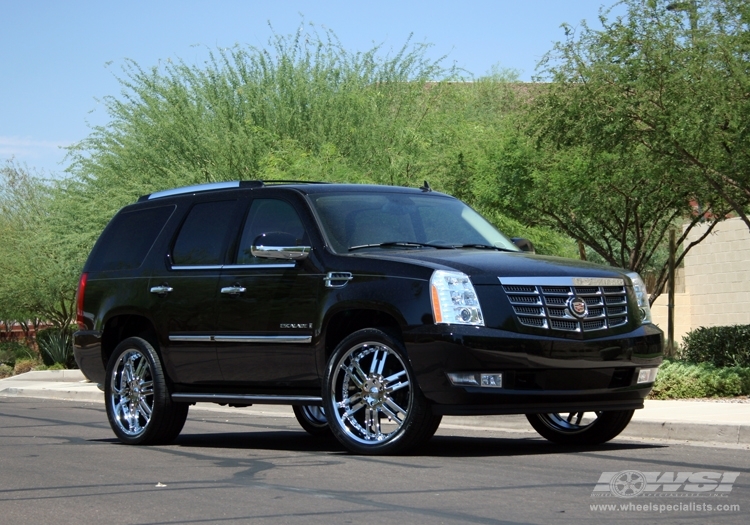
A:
{"points": [[347, 321], [119, 327]]}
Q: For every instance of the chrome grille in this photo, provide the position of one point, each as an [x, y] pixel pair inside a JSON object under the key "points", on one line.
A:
{"points": [[542, 302]]}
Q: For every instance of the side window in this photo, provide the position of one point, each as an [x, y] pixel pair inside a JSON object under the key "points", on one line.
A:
{"points": [[269, 216], [201, 238], [128, 239]]}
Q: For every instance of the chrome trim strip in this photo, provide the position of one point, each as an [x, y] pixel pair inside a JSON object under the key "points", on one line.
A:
{"points": [[241, 338], [211, 267], [194, 189], [561, 281], [263, 338], [253, 266], [248, 398]]}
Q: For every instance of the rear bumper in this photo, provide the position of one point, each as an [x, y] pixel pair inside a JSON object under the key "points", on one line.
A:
{"points": [[87, 349]]}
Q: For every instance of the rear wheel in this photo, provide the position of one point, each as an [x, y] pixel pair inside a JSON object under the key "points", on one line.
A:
{"points": [[313, 419], [139, 407], [372, 400], [580, 428]]}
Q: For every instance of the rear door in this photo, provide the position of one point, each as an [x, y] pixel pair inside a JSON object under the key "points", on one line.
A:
{"points": [[184, 294]]}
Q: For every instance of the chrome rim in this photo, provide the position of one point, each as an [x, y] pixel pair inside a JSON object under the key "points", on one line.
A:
{"points": [[132, 393], [371, 393], [315, 415], [571, 422]]}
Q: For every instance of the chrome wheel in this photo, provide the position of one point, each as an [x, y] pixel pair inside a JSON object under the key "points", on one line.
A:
{"points": [[571, 422], [372, 393], [313, 419], [132, 393], [580, 428], [139, 405]]}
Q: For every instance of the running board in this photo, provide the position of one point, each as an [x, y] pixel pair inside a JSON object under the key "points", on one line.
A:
{"points": [[247, 399]]}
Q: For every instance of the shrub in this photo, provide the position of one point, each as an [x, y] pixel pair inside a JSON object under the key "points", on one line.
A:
{"points": [[26, 365], [12, 351], [718, 345], [681, 380], [56, 346], [5, 371]]}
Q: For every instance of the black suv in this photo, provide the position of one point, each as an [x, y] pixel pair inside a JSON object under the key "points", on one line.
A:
{"points": [[373, 310]]}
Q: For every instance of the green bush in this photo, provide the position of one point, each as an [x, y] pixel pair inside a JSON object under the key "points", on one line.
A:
{"points": [[56, 346], [12, 351], [719, 345], [681, 380], [5, 371]]}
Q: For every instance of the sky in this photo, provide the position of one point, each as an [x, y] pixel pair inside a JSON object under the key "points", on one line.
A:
{"points": [[58, 59]]}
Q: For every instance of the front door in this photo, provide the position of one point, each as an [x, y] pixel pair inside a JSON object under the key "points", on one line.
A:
{"points": [[266, 307]]}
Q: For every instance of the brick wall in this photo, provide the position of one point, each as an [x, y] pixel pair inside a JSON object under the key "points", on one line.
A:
{"points": [[716, 281]]}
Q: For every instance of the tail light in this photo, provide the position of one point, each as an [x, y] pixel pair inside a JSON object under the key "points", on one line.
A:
{"points": [[80, 319]]}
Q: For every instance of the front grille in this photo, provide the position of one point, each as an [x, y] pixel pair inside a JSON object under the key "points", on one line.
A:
{"points": [[544, 302]]}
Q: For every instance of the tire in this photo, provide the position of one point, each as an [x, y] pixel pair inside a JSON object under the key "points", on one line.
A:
{"points": [[313, 419], [575, 428], [371, 396], [139, 407]]}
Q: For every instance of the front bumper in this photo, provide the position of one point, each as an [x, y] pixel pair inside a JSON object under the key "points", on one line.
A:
{"points": [[540, 374]]}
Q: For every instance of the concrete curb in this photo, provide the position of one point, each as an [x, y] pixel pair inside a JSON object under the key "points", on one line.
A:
{"points": [[704, 422]]}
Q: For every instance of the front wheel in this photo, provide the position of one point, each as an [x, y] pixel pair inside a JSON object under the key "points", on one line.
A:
{"points": [[372, 400], [581, 428], [139, 407]]}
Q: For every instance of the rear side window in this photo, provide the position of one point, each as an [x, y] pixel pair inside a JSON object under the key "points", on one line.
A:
{"points": [[201, 238], [128, 239]]}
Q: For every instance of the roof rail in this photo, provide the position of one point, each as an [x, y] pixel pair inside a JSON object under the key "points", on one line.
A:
{"points": [[213, 186]]}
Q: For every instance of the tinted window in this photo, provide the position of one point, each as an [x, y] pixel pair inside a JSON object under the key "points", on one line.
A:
{"points": [[128, 239], [269, 216], [201, 238]]}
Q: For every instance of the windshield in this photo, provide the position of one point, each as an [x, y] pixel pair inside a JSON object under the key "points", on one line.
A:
{"points": [[364, 220]]}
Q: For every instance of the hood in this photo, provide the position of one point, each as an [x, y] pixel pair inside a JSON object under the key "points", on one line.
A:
{"points": [[484, 267]]}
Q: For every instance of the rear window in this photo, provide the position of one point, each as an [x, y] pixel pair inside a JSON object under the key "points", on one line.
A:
{"points": [[128, 239]]}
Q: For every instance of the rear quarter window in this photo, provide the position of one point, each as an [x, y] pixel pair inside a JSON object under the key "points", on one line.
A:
{"points": [[128, 238]]}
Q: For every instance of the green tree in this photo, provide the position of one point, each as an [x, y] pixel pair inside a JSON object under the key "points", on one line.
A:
{"points": [[36, 256], [641, 121]]}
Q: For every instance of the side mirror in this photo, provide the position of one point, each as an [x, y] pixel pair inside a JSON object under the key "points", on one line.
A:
{"points": [[279, 245], [524, 244]]}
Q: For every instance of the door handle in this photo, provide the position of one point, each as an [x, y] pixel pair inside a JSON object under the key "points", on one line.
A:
{"points": [[233, 290], [161, 290]]}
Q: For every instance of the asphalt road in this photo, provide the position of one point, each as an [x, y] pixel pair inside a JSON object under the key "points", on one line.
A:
{"points": [[59, 463]]}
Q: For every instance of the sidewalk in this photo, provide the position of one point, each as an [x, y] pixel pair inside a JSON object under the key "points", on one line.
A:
{"points": [[693, 421]]}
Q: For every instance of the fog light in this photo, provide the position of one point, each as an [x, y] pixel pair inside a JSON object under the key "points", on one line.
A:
{"points": [[492, 380], [463, 378], [647, 375]]}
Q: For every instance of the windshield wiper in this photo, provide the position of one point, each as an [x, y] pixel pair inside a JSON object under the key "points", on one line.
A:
{"points": [[405, 244], [482, 247]]}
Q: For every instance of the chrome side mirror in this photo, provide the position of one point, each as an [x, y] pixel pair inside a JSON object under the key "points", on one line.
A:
{"points": [[278, 245], [524, 244]]}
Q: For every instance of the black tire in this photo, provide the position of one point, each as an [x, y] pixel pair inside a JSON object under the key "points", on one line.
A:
{"points": [[139, 407], [371, 397], [573, 429], [313, 419]]}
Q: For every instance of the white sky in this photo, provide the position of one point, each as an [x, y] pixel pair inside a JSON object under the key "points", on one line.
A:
{"points": [[54, 54]]}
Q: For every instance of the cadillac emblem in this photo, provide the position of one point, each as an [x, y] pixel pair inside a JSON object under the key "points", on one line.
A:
{"points": [[578, 307]]}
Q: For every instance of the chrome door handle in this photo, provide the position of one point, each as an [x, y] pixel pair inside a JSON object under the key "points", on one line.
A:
{"points": [[233, 290], [161, 290]]}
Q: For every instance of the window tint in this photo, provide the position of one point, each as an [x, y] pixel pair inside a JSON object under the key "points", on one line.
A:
{"points": [[201, 238], [128, 239], [269, 216]]}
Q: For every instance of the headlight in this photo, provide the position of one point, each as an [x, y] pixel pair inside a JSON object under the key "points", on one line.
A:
{"points": [[642, 295], [454, 300]]}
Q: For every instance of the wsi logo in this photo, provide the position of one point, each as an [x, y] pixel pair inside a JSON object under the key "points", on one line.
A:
{"points": [[632, 483]]}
